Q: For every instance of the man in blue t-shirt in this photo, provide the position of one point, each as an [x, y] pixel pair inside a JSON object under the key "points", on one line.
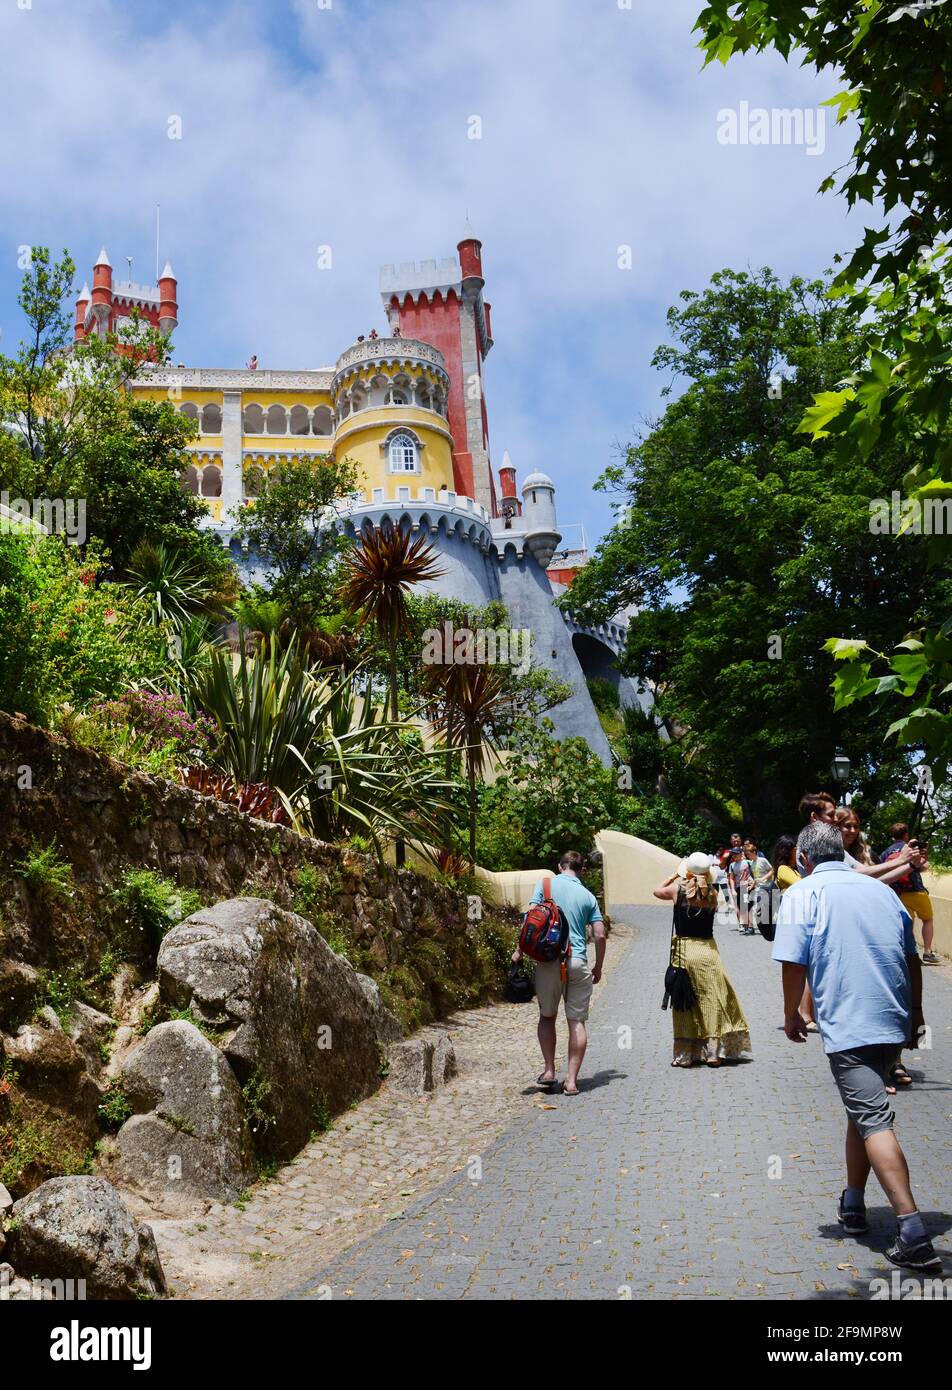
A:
{"points": [[581, 910], [852, 938]]}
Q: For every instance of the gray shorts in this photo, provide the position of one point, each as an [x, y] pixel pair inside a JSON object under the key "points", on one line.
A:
{"points": [[861, 1075]]}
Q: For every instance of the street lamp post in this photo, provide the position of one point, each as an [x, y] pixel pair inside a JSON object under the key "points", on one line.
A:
{"points": [[840, 772]]}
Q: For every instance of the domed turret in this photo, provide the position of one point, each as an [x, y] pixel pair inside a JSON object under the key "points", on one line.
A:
{"points": [[539, 518]]}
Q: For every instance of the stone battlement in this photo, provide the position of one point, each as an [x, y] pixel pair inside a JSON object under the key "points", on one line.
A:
{"points": [[413, 276]]}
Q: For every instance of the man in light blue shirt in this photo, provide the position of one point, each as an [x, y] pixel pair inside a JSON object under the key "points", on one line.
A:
{"points": [[580, 910], [852, 939]]}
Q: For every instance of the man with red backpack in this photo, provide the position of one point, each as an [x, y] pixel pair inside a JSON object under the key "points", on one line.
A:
{"points": [[554, 936]]}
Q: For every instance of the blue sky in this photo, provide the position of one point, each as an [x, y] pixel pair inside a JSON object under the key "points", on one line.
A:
{"points": [[305, 125]]}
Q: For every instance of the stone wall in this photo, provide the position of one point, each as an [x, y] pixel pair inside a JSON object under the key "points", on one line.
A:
{"points": [[419, 939]]}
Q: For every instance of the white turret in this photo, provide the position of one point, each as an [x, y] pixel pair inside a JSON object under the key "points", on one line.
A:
{"points": [[538, 516]]}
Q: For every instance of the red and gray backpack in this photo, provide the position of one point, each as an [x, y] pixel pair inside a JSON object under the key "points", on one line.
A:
{"points": [[544, 935]]}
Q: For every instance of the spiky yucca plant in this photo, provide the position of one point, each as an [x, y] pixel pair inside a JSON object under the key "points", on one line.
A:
{"points": [[378, 573], [335, 764], [469, 702]]}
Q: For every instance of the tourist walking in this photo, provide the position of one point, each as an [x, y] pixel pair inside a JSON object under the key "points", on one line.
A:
{"points": [[761, 874], [711, 1028], [739, 882], [852, 938], [580, 911], [912, 890]]}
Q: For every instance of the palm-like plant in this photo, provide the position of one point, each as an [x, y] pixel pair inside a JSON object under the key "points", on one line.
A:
{"points": [[368, 774], [468, 702], [379, 572], [336, 767], [174, 587]]}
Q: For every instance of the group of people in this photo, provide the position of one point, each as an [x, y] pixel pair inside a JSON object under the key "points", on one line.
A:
{"points": [[753, 884], [841, 923]]}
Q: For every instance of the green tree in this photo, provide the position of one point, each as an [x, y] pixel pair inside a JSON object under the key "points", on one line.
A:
{"points": [[734, 531], [71, 429], [897, 61], [67, 637], [557, 792], [292, 521]]}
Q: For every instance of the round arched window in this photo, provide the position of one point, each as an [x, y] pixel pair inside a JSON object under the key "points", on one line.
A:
{"points": [[403, 454]]}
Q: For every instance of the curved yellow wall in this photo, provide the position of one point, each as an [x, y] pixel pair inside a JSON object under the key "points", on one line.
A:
{"points": [[361, 437]]}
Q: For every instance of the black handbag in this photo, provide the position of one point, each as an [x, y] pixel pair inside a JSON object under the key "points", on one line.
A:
{"points": [[678, 990], [519, 987]]}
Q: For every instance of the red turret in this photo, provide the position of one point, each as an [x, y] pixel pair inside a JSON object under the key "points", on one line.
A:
{"points": [[509, 500], [507, 478], [102, 291], [470, 250], [168, 304], [114, 302], [82, 304], [443, 304]]}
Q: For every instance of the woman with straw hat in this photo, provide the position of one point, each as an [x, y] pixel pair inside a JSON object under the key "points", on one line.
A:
{"points": [[709, 1023]]}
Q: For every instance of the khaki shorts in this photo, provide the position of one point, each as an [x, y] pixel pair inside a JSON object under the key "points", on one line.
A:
{"points": [[578, 991], [917, 905]]}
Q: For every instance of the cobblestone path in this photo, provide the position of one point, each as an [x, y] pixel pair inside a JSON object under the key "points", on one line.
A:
{"points": [[665, 1183]]}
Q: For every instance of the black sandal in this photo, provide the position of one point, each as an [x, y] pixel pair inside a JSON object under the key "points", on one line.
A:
{"points": [[900, 1076], [541, 1080]]}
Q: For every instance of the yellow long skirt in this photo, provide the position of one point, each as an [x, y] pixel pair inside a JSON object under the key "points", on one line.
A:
{"points": [[716, 1026]]}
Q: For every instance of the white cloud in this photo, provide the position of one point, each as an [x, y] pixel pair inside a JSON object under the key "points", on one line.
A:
{"points": [[303, 126]]}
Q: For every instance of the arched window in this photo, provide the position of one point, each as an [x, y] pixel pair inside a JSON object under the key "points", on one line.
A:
{"points": [[190, 480], [189, 410], [423, 398], [404, 455], [397, 398], [252, 420], [277, 419], [211, 419], [211, 481], [323, 421], [253, 480], [358, 401], [300, 420]]}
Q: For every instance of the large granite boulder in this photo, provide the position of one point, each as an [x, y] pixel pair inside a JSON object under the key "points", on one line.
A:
{"points": [[79, 1228], [189, 1137], [295, 1024]]}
